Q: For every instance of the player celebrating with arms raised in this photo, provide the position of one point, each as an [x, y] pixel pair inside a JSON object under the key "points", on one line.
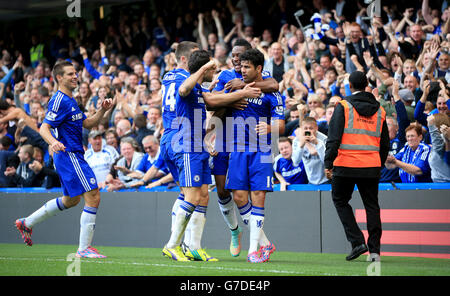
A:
{"points": [[62, 130]]}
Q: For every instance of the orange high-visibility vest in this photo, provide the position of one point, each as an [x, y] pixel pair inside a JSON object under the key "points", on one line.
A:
{"points": [[360, 144]]}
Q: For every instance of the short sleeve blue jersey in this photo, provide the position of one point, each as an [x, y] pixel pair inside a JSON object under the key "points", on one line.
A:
{"points": [[224, 77], [227, 75], [190, 121], [66, 120], [266, 108], [170, 84]]}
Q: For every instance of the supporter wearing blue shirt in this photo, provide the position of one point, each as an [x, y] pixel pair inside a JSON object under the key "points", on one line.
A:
{"points": [[285, 170], [412, 160], [152, 157]]}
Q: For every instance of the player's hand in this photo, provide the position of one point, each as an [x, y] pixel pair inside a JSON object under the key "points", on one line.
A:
{"points": [[213, 84], [262, 128], [57, 146], [251, 92], [239, 105], [234, 84], [210, 65], [329, 173]]}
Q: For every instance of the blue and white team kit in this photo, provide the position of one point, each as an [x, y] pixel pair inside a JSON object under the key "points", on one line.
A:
{"points": [[182, 141], [66, 120]]}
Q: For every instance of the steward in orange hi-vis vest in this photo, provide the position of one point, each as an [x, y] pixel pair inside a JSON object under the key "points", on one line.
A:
{"points": [[357, 147], [360, 143]]}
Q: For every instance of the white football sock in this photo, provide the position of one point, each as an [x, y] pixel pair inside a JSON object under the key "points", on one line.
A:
{"points": [[226, 207], [256, 228], [87, 226], [50, 209], [245, 212], [197, 224], [175, 207], [183, 216]]}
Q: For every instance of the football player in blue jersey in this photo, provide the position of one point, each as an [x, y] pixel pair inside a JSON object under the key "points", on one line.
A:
{"points": [[250, 170], [170, 84], [228, 81], [190, 153], [62, 130]]}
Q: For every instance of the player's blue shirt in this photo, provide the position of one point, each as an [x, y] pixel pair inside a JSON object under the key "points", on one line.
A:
{"points": [[229, 74], [190, 121], [170, 84], [419, 158], [66, 120], [267, 107], [224, 77], [291, 173]]}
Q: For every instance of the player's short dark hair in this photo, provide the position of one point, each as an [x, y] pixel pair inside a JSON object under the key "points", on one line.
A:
{"points": [[184, 49], [242, 42], [58, 69], [198, 59], [254, 56], [4, 105]]}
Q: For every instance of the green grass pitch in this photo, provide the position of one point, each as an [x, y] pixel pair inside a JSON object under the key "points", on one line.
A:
{"points": [[51, 260]]}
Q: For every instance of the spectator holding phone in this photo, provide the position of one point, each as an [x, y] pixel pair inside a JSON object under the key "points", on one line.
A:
{"points": [[309, 148]]}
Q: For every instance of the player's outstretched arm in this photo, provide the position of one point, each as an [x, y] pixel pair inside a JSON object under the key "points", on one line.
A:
{"points": [[188, 85], [94, 120], [267, 85], [215, 100]]}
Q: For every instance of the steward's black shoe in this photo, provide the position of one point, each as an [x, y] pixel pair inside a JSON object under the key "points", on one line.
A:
{"points": [[356, 252]]}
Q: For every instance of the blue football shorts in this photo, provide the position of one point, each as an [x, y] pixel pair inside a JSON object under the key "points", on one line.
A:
{"points": [[193, 168], [250, 171], [169, 159], [219, 164], [74, 172]]}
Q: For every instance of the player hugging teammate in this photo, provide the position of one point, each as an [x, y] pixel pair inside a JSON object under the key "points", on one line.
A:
{"points": [[251, 117]]}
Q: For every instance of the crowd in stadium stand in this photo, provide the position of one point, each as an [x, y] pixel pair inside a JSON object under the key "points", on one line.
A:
{"points": [[404, 51]]}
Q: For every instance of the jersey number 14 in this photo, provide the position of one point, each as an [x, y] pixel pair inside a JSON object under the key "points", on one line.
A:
{"points": [[169, 98]]}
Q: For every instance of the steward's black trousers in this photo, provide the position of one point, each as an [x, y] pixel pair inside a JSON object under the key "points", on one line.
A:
{"points": [[342, 189]]}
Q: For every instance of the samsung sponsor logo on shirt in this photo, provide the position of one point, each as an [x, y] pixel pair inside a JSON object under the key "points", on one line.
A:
{"points": [[77, 116], [256, 101]]}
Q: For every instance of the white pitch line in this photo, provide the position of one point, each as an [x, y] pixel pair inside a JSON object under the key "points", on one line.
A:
{"points": [[175, 266]]}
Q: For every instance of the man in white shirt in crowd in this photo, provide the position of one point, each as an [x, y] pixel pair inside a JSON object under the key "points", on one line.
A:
{"points": [[309, 147], [100, 157]]}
